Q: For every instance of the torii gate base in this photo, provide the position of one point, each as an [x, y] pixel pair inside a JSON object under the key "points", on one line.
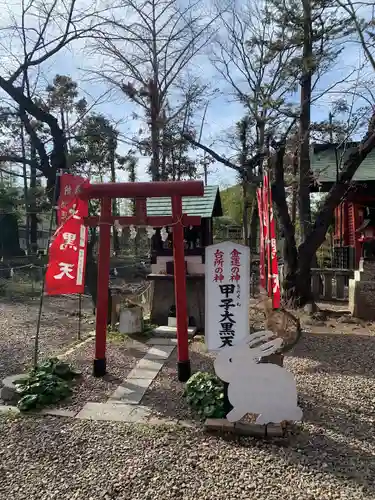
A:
{"points": [[140, 191]]}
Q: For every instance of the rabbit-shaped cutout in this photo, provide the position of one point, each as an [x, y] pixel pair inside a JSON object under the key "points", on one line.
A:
{"points": [[265, 389]]}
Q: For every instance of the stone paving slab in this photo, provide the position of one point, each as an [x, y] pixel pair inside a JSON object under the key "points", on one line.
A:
{"points": [[171, 331], [114, 412], [146, 368], [159, 352], [131, 392], [5, 410], [162, 341], [134, 387]]}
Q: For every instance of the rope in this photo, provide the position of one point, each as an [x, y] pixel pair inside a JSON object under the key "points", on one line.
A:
{"points": [[178, 221]]}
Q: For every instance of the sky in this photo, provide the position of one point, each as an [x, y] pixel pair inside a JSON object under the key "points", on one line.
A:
{"points": [[222, 113]]}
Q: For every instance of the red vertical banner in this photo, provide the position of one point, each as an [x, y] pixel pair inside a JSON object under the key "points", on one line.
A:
{"points": [[67, 253], [266, 219], [273, 270], [262, 271]]}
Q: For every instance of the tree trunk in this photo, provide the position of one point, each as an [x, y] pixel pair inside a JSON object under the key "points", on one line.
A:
{"points": [[26, 193], [296, 283], [33, 207], [245, 217], [254, 225], [294, 189], [111, 152], [9, 237], [155, 129], [304, 128]]}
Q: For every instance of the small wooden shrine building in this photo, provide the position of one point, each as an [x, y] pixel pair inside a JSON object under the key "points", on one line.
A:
{"points": [[196, 239], [355, 216]]}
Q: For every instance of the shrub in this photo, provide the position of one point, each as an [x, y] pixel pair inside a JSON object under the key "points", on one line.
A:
{"points": [[204, 392], [46, 384]]}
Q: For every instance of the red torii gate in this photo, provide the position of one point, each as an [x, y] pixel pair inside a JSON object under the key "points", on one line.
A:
{"points": [[140, 191]]}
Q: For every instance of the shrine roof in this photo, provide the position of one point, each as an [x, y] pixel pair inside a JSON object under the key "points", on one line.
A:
{"points": [[323, 163], [206, 206]]}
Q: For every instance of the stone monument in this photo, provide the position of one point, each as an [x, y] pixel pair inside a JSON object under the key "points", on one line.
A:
{"points": [[362, 289]]}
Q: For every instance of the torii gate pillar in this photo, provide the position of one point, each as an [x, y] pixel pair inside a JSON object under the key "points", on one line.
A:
{"points": [[141, 191]]}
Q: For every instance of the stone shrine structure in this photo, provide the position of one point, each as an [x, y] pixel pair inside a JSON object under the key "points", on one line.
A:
{"points": [[196, 239], [362, 290]]}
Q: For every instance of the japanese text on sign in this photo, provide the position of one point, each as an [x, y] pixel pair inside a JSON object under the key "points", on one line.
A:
{"points": [[227, 294], [219, 265], [68, 204], [226, 333]]}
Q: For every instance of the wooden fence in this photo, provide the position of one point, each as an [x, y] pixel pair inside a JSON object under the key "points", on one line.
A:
{"points": [[330, 284]]}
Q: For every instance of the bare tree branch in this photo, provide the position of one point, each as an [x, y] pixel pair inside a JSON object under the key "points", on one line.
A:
{"points": [[147, 53]]}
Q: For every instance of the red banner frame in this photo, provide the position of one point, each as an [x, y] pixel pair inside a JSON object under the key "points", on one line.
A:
{"points": [[67, 253], [273, 282]]}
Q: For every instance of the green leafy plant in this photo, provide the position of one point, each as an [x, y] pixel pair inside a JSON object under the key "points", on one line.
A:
{"points": [[46, 384], [204, 392]]}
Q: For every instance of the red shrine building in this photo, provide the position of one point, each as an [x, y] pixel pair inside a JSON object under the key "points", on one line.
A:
{"points": [[354, 222]]}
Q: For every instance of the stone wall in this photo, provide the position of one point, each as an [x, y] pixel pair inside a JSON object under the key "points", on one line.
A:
{"points": [[362, 291]]}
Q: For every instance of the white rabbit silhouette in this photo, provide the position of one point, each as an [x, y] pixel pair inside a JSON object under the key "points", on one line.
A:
{"points": [[261, 388]]}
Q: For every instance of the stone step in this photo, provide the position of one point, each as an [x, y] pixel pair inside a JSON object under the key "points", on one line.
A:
{"points": [[162, 341], [114, 412], [171, 331]]}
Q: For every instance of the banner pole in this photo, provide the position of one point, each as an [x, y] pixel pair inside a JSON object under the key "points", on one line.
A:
{"points": [[36, 342], [79, 315]]}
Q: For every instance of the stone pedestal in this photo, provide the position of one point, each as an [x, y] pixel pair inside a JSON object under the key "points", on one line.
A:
{"points": [[362, 291], [131, 320]]}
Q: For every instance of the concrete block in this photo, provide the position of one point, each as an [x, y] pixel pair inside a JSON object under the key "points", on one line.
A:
{"points": [[160, 352], [139, 414], [162, 341], [171, 331], [9, 390], [9, 410], [362, 299], [146, 365], [146, 369], [131, 391], [113, 412]]}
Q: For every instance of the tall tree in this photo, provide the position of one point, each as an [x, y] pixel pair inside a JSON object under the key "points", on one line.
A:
{"points": [[94, 155], [258, 77], [148, 47], [30, 39], [312, 34], [313, 28]]}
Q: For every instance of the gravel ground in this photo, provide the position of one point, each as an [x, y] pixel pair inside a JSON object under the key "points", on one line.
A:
{"points": [[165, 395], [66, 459], [334, 373], [122, 355], [336, 386], [59, 328]]}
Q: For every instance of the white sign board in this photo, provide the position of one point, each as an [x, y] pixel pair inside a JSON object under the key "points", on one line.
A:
{"points": [[227, 284]]}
